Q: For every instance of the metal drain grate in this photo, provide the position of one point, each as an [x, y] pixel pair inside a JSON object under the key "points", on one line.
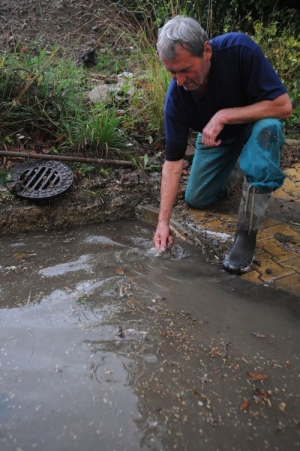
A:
{"points": [[40, 180]]}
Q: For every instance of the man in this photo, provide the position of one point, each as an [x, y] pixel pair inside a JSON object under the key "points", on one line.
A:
{"points": [[225, 89]]}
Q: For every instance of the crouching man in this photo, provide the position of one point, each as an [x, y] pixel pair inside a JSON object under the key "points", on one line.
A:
{"points": [[226, 90]]}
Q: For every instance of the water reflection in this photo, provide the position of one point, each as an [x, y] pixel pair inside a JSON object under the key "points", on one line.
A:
{"points": [[105, 346]]}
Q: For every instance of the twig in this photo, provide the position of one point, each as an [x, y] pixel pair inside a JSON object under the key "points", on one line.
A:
{"points": [[65, 158]]}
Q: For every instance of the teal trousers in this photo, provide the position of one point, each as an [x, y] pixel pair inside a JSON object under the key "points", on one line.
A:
{"points": [[258, 150]]}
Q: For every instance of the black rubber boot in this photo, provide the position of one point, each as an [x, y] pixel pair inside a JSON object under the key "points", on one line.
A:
{"points": [[251, 213], [240, 257]]}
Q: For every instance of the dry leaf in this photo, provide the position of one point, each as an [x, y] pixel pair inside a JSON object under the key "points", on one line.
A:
{"points": [[245, 405], [120, 271], [258, 376]]}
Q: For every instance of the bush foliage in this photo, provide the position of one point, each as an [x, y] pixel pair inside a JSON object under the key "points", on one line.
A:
{"points": [[44, 97], [238, 15]]}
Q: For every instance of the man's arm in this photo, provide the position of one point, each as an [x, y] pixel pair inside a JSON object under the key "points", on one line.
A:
{"points": [[171, 174], [279, 108]]}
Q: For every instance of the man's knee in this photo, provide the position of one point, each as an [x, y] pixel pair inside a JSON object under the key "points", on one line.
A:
{"points": [[268, 133], [260, 157], [199, 199]]}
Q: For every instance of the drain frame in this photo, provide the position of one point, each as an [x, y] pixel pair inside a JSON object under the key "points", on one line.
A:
{"points": [[39, 180]]}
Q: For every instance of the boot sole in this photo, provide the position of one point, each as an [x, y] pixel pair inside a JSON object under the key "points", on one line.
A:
{"points": [[238, 270]]}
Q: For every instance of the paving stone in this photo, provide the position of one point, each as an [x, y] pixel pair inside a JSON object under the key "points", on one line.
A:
{"points": [[278, 251], [290, 284], [252, 276], [268, 222], [270, 270], [293, 174], [293, 263], [288, 190], [279, 228]]}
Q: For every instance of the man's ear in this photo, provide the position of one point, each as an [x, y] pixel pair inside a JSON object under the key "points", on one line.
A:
{"points": [[207, 54]]}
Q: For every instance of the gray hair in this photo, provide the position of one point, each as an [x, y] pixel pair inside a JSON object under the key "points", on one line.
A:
{"points": [[183, 31]]}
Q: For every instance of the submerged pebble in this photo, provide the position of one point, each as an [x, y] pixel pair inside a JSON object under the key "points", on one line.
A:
{"points": [[155, 252]]}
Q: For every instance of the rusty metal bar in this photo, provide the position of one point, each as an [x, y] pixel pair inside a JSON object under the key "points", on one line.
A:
{"points": [[36, 156]]}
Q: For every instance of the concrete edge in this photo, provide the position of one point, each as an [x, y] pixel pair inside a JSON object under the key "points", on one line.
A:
{"points": [[212, 244]]}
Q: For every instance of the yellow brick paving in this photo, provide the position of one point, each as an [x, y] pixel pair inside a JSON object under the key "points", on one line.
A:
{"points": [[277, 256]]}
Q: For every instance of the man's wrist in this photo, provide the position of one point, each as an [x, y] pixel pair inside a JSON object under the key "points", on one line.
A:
{"points": [[163, 222]]}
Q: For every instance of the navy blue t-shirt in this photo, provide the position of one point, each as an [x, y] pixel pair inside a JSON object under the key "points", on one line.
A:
{"points": [[240, 75]]}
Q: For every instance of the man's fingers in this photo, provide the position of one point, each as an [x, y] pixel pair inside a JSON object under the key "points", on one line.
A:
{"points": [[169, 241], [209, 142], [162, 243], [159, 243]]}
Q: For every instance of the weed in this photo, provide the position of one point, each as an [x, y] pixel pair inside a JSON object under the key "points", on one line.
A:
{"points": [[146, 163], [105, 172], [83, 169], [43, 96], [282, 238], [80, 301], [5, 176]]}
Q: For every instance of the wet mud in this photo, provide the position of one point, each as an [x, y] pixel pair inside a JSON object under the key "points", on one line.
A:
{"points": [[106, 346]]}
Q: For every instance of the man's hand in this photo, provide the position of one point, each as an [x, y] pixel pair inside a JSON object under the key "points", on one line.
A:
{"points": [[280, 108], [212, 130], [163, 239]]}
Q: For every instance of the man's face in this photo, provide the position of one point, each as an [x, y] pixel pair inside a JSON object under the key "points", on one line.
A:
{"points": [[189, 71]]}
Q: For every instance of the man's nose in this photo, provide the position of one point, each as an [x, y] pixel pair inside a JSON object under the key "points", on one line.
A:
{"points": [[180, 79]]}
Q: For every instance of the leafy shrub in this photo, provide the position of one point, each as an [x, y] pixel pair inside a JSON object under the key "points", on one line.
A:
{"points": [[44, 98], [219, 15], [283, 51]]}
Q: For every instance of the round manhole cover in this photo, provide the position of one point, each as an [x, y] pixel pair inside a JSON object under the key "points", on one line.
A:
{"points": [[40, 180]]}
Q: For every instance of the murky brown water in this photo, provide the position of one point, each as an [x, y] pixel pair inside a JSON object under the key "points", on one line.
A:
{"points": [[107, 347]]}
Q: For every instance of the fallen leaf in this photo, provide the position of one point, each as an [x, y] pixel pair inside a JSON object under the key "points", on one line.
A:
{"points": [[245, 405], [258, 376], [120, 271]]}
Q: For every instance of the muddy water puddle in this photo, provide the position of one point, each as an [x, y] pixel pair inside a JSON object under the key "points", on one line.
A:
{"points": [[106, 347]]}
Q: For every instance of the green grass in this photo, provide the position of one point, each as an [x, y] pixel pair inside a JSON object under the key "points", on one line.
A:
{"points": [[43, 97]]}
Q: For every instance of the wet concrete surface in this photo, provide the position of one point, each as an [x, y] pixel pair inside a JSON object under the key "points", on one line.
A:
{"points": [[277, 253], [106, 346]]}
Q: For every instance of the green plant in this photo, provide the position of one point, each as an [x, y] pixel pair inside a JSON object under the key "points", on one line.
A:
{"points": [[282, 49], [5, 176], [148, 101], [83, 169], [156, 12], [145, 162], [105, 172], [80, 301], [99, 128], [43, 96], [47, 96], [152, 163], [218, 15]]}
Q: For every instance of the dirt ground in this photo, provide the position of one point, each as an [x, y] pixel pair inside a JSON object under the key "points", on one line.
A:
{"points": [[31, 25], [38, 24]]}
